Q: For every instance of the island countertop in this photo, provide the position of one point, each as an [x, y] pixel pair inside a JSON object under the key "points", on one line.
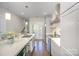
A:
{"points": [[15, 48]]}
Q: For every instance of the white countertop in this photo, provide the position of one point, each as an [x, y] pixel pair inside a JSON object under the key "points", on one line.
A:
{"points": [[15, 48], [56, 40]]}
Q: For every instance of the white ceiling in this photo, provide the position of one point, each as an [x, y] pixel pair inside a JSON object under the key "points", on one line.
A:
{"points": [[34, 8]]}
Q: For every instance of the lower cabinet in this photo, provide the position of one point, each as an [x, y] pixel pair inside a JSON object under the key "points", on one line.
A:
{"points": [[22, 52], [49, 46], [55, 49], [31, 46], [27, 50]]}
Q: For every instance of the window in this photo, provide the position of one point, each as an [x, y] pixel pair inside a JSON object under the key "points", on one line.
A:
{"points": [[7, 16]]}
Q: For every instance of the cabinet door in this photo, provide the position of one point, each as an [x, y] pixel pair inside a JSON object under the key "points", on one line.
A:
{"points": [[55, 49], [22, 52], [49, 46], [32, 44]]}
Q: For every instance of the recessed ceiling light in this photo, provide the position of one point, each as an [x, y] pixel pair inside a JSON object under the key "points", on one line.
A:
{"points": [[26, 23], [26, 6]]}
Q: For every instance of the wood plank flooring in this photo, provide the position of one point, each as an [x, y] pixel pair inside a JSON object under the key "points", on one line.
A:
{"points": [[40, 49]]}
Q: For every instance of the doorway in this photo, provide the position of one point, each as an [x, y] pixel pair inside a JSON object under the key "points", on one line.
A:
{"points": [[37, 27]]}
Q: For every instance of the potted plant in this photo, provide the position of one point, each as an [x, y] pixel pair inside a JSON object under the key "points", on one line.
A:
{"points": [[10, 37]]}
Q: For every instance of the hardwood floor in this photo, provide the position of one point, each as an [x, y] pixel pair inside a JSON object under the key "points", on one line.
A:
{"points": [[40, 49]]}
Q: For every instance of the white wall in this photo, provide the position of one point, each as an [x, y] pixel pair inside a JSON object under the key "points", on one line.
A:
{"points": [[16, 24], [64, 6], [2, 21], [69, 31]]}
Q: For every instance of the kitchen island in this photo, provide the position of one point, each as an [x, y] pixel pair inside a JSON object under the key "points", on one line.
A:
{"points": [[14, 48], [54, 46]]}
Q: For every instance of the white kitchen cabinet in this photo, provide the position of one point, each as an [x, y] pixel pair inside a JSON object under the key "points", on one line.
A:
{"points": [[55, 49], [31, 45]]}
